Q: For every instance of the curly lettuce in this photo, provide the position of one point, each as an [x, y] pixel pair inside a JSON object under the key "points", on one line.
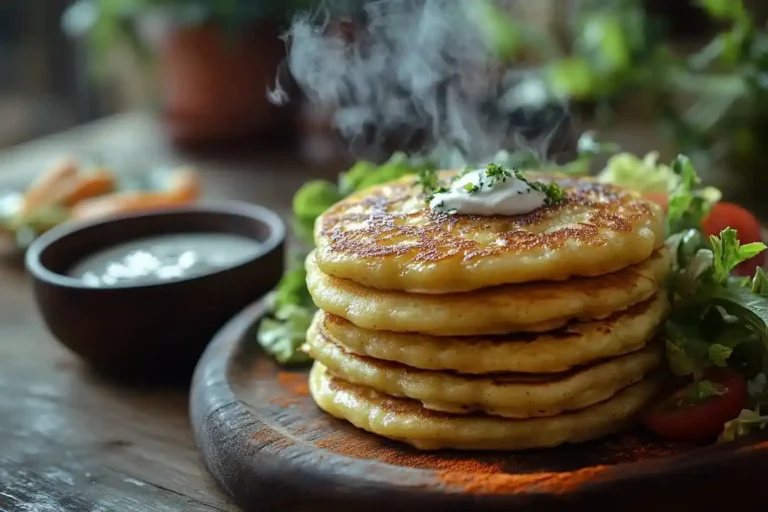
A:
{"points": [[282, 333], [646, 175]]}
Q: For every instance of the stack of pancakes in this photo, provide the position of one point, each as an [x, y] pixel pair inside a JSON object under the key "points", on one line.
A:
{"points": [[470, 332]]}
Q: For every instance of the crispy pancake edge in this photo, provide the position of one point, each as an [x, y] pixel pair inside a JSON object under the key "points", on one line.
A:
{"points": [[611, 229]]}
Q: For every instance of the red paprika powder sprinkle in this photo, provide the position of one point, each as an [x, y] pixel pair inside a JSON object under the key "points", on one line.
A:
{"points": [[505, 483], [295, 382]]}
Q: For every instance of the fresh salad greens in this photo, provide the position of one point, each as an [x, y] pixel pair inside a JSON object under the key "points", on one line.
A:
{"points": [[283, 332], [717, 320], [645, 174], [648, 176], [317, 196]]}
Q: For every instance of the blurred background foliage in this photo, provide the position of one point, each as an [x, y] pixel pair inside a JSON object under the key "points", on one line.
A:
{"points": [[689, 74], [706, 92]]}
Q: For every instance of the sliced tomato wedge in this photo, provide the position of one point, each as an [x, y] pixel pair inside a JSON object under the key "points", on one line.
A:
{"points": [[678, 417], [726, 215]]}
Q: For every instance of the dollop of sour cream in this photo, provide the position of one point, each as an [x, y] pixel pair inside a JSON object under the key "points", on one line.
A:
{"points": [[475, 193]]}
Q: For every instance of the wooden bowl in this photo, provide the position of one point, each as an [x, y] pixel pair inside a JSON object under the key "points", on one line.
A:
{"points": [[156, 331]]}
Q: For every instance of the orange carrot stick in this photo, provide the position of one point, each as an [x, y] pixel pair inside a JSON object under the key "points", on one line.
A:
{"points": [[88, 185], [124, 202], [184, 188], [50, 187]]}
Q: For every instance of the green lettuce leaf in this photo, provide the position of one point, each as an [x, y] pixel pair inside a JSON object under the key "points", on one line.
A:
{"points": [[283, 334], [292, 289], [681, 359], [704, 389], [687, 349], [367, 174], [729, 253], [311, 200], [745, 306], [719, 354], [689, 203], [645, 175], [746, 423], [759, 284]]}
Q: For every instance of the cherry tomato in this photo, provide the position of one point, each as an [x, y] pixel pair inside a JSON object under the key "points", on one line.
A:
{"points": [[725, 215], [679, 418], [660, 199]]}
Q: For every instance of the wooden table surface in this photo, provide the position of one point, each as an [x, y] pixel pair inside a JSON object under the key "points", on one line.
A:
{"points": [[70, 441]]}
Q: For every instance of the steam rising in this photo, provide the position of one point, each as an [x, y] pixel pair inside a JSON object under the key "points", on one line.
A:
{"points": [[419, 75]]}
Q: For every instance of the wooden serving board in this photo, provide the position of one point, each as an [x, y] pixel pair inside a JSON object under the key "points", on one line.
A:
{"points": [[272, 449]]}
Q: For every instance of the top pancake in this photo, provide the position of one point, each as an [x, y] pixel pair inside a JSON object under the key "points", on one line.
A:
{"points": [[386, 237]]}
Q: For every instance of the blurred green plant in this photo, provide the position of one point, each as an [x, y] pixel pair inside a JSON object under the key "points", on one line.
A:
{"points": [[107, 23], [712, 102], [615, 49]]}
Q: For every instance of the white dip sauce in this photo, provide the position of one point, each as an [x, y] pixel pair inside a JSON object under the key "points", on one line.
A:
{"points": [[164, 258], [475, 193]]}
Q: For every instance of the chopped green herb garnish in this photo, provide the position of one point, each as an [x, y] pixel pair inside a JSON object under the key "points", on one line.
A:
{"points": [[471, 188], [553, 191], [497, 174], [427, 180]]}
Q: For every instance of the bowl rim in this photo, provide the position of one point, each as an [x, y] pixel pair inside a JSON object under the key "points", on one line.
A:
{"points": [[255, 212]]}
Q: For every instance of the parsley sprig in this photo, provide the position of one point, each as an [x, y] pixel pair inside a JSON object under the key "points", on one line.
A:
{"points": [[429, 182], [499, 174]]}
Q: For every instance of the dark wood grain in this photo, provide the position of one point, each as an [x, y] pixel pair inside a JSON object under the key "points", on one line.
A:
{"points": [[70, 441], [268, 446]]}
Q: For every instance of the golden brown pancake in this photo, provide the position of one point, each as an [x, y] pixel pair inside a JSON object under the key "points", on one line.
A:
{"points": [[509, 395], [576, 344], [530, 307], [386, 237], [405, 420]]}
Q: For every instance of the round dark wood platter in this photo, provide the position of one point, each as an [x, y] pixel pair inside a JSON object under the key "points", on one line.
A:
{"points": [[267, 444]]}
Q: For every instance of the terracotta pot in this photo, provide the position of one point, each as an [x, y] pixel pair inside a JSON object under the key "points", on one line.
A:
{"points": [[214, 86]]}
